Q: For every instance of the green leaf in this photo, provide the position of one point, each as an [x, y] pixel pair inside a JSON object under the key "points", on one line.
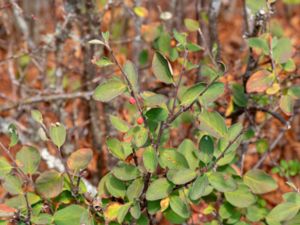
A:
{"points": [[289, 66], [58, 134], [13, 135], [159, 189], [122, 212], [119, 124], [213, 92], [198, 188], [80, 159], [103, 62], [143, 57], [222, 182], [241, 197], [292, 197], [295, 220], [140, 136], [255, 213], [87, 218], [37, 116], [153, 206], [101, 186], [109, 90], [132, 75], [259, 182], [213, 123], [172, 159], [153, 99], [173, 217], [261, 145], [125, 172], [115, 187], [188, 150], [5, 167], [283, 212], [227, 211], [180, 207], [71, 213], [259, 43], [286, 104], [282, 50], [162, 68], [42, 219], [180, 37], [12, 184], [294, 92], [157, 114], [150, 159], [260, 81], [239, 96], [115, 147], [191, 25], [206, 146], [49, 184], [19, 201], [181, 176], [105, 36], [135, 211], [256, 5], [192, 47], [191, 94], [135, 189], [164, 43], [28, 159]]}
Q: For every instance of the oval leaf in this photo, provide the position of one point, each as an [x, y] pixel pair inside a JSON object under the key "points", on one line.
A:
{"points": [[198, 188], [80, 159], [150, 159], [259, 182], [260, 81], [49, 184], [132, 75], [159, 189], [109, 90], [180, 207], [222, 182], [181, 176], [162, 68], [28, 159], [213, 123], [241, 197], [126, 172], [69, 214], [58, 134]]}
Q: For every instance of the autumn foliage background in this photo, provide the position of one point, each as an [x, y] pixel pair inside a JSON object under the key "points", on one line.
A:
{"points": [[47, 64]]}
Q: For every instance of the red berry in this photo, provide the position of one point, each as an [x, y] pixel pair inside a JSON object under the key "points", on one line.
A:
{"points": [[140, 120], [132, 101]]}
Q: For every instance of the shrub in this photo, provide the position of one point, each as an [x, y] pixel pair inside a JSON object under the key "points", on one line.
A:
{"points": [[152, 176]]}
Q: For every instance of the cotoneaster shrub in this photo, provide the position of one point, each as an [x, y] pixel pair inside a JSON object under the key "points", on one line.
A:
{"points": [[152, 176]]}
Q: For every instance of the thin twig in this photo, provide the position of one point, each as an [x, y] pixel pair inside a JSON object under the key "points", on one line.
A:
{"points": [[46, 98], [179, 81], [207, 47], [274, 144], [130, 86]]}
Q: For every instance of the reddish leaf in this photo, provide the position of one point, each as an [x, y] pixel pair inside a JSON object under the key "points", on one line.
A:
{"points": [[6, 211], [80, 159], [260, 81]]}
